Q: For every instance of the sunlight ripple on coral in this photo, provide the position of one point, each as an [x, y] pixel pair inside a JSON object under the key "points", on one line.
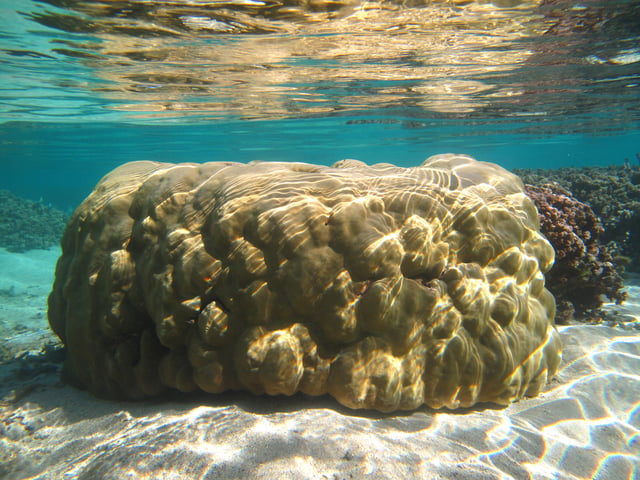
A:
{"points": [[386, 287]]}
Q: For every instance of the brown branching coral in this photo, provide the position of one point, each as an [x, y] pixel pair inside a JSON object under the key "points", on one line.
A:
{"points": [[613, 192], [584, 270], [386, 287]]}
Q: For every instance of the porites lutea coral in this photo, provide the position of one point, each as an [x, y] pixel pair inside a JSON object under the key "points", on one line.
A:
{"points": [[386, 287]]}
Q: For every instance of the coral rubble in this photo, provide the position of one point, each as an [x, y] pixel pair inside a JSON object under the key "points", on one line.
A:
{"points": [[386, 287]]}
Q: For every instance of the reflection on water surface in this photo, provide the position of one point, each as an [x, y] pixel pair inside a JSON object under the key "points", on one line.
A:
{"points": [[553, 63]]}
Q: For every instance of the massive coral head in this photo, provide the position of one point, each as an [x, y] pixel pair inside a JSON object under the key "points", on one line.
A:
{"points": [[386, 287]]}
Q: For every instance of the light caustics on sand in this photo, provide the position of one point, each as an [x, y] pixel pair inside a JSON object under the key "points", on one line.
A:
{"points": [[585, 426], [596, 406]]}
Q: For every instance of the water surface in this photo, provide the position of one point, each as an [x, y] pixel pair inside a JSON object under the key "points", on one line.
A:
{"points": [[86, 85]]}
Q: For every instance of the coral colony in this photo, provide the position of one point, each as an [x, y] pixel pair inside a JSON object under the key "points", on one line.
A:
{"points": [[385, 287], [584, 268]]}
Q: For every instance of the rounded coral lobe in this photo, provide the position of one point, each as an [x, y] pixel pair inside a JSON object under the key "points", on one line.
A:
{"points": [[386, 287]]}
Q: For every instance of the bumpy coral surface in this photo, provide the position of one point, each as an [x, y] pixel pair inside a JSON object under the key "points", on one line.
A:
{"points": [[386, 287]]}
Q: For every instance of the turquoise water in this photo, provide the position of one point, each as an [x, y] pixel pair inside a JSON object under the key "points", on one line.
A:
{"points": [[88, 85], [61, 163]]}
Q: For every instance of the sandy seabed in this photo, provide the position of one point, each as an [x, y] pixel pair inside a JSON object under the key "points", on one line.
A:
{"points": [[585, 425]]}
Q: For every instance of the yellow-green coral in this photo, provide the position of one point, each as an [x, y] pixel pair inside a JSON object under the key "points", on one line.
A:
{"points": [[386, 287]]}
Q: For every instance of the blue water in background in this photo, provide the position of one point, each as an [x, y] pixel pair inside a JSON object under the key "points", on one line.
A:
{"points": [[60, 163], [88, 85]]}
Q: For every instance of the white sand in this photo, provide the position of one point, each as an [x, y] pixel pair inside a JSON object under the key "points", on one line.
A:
{"points": [[25, 283], [585, 425]]}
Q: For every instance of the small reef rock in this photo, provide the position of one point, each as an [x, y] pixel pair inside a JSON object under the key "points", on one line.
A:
{"points": [[28, 225], [584, 268], [385, 287]]}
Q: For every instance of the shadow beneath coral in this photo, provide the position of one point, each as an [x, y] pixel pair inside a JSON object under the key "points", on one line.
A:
{"points": [[53, 429], [33, 381]]}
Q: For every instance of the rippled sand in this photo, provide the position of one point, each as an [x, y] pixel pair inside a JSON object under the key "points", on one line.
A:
{"points": [[586, 424]]}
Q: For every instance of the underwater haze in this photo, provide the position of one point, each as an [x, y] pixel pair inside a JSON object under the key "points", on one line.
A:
{"points": [[548, 89]]}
